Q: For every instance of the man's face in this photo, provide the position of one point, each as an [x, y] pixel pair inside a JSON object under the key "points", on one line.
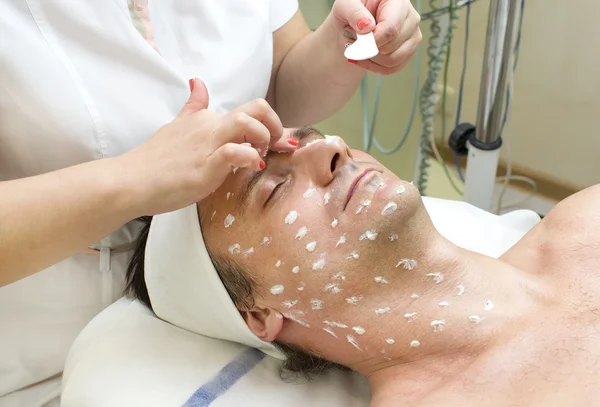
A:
{"points": [[311, 226]]}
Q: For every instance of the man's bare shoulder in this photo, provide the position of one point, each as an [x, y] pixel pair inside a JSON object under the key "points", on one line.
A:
{"points": [[570, 231]]}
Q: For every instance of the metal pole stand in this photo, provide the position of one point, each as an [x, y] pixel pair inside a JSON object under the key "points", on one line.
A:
{"points": [[484, 142]]}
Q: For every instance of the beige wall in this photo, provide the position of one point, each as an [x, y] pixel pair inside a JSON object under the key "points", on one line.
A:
{"points": [[553, 126]]}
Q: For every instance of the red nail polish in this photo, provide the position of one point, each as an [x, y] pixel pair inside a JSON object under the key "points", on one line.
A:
{"points": [[262, 165], [293, 141], [363, 22], [352, 61], [192, 82]]}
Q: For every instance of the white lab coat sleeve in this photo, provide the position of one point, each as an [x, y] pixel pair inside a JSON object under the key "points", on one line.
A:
{"points": [[281, 12]]}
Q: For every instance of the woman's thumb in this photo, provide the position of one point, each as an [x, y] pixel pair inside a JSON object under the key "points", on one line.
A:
{"points": [[356, 14], [198, 99]]}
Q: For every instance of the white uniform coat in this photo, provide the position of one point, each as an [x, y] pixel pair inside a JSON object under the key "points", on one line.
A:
{"points": [[82, 80]]}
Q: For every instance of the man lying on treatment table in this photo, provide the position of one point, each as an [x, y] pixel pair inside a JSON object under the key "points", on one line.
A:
{"points": [[331, 257]]}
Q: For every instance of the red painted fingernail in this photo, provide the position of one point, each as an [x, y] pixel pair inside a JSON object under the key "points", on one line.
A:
{"points": [[293, 141], [363, 22], [262, 165], [192, 85], [352, 61]]}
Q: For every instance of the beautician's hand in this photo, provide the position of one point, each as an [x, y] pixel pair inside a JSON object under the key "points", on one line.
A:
{"points": [[395, 27], [187, 159]]}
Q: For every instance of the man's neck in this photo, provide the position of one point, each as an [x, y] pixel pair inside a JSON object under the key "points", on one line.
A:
{"points": [[479, 304]]}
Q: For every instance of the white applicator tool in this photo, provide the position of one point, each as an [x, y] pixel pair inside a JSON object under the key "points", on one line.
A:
{"points": [[363, 48]]}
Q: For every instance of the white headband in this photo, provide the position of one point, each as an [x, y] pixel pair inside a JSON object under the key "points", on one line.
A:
{"points": [[184, 287]]}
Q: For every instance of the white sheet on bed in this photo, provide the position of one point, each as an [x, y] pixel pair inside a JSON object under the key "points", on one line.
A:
{"points": [[127, 357]]}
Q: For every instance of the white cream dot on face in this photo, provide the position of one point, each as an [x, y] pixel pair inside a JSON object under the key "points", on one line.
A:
{"points": [[390, 341], [353, 300], [296, 269], [213, 215], [438, 325], [365, 203], [389, 208], [297, 312], [381, 280], [277, 289], [326, 198], [235, 169], [415, 344], [267, 240], [408, 264], [332, 288], [302, 232], [369, 234], [319, 264], [475, 319], [249, 251], [278, 315], [301, 286], [342, 240], [329, 331], [291, 217], [311, 246], [381, 311], [443, 304], [278, 264], [393, 237], [339, 276], [289, 303], [334, 223], [229, 219], [229, 194], [333, 140], [315, 141], [316, 304], [295, 319], [437, 277], [414, 296], [352, 341], [410, 317], [461, 290], [234, 249], [359, 330], [354, 255], [309, 192], [401, 189], [489, 305], [335, 324]]}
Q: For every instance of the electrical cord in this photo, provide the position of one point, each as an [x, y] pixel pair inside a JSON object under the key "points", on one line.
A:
{"points": [[452, 26], [427, 102], [369, 138], [437, 12]]}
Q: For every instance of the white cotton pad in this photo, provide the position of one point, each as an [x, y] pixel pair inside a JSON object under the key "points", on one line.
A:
{"points": [[363, 48]]}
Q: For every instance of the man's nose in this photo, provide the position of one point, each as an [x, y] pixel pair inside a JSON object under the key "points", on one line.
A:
{"points": [[323, 159]]}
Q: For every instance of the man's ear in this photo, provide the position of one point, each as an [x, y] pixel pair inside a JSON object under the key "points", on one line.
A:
{"points": [[265, 323]]}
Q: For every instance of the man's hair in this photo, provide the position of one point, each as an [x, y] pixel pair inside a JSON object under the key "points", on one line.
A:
{"points": [[241, 287]]}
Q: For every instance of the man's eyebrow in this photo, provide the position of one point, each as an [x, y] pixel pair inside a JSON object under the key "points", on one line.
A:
{"points": [[300, 134], [303, 132]]}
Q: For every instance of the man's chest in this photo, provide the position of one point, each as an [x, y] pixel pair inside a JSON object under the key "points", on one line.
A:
{"points": [[555, 364]]}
